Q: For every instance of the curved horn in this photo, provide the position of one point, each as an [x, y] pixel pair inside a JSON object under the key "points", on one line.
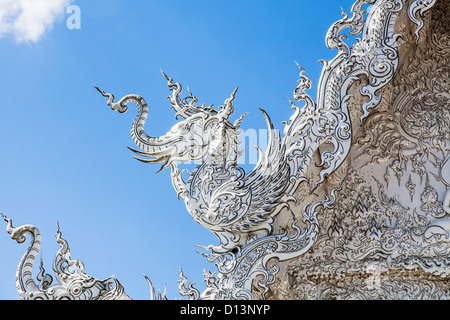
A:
{"points": [[228, 109], [181, 106], [237, 123], [24, 279]]}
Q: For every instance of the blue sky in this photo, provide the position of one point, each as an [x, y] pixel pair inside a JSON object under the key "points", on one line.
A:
{"points": [[63, 151]]}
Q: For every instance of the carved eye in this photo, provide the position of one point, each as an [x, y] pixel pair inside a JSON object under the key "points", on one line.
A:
{"points": [[76, 290]]}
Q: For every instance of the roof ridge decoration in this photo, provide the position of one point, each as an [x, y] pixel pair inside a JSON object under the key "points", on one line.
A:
{"points": [[244, 209]]}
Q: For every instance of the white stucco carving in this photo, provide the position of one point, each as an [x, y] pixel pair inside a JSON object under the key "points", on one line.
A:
{"points": [[352, 201]]}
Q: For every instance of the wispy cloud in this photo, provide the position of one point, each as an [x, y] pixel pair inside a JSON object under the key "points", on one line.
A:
{"points": [[28, 20]]}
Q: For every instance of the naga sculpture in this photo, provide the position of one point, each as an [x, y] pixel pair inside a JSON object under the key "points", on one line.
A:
{"points": [[74, 283], [218, 194], [319, 217]]}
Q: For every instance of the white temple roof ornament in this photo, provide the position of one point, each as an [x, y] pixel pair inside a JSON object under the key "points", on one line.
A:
{"points": [[354, 195], [73, 282]]}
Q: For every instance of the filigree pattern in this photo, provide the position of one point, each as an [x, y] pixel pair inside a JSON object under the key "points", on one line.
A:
{"points": [[382, 240], [238, 207]]}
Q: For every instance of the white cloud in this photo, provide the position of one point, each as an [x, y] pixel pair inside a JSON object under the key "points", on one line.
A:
{"points": [[28, 20]]}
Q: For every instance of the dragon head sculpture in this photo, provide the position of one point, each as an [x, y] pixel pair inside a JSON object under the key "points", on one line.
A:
{"points": [[218, 194], [204, 133]]}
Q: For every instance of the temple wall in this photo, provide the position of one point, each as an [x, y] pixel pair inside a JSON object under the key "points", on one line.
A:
{"points": [[386, 236]]}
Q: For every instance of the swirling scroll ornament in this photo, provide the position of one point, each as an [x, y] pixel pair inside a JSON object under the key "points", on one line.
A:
{"points": [[73, 282]]}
